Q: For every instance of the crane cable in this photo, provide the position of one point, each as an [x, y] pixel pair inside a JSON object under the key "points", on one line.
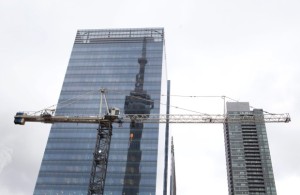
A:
{"points": [[161, 103], [68, 101], [72, 100], [170, 105], [223, 97]]}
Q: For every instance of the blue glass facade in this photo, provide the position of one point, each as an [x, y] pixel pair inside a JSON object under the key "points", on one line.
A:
{"points": [[109, 59]]}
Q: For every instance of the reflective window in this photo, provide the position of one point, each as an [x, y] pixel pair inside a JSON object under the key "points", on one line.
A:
{"points": [[129, 64]]}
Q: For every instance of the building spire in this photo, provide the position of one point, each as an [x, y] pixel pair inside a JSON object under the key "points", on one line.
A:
{"points": [[140, 76]]}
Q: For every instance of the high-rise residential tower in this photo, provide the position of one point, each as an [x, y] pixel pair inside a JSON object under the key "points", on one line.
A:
{"points": [[249, 168], [129, 65]]}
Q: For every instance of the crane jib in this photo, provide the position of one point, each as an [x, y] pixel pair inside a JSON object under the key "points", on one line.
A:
{"points": [[22, 117]]}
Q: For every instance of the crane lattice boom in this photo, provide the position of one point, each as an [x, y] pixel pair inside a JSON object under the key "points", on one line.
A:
{"points": [[21, 118]]}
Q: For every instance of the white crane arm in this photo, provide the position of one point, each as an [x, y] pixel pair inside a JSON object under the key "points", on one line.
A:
{"points": [[21, 118]]}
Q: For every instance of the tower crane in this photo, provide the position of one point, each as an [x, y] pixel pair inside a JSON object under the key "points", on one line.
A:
{"points": [[113, 115], [137, 110]]}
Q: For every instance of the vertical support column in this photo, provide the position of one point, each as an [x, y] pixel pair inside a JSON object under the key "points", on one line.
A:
{"points": [[166, 169], [100, 159]]}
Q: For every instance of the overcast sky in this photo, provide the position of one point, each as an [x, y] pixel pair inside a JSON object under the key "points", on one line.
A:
{"points": [[245, 49]]}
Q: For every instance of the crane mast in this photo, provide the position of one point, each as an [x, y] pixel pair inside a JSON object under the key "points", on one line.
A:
{"points": [[102, 148], [100, 158]]}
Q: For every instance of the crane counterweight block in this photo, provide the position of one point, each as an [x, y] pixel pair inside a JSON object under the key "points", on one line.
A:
{"points": [[19, 118]]}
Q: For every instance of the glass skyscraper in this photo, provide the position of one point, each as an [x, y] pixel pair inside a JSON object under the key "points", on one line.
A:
{"points": [[129, 65], [249, 167]]}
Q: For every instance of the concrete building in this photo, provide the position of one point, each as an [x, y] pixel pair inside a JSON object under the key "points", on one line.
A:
{"points": [[249, 167]]}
